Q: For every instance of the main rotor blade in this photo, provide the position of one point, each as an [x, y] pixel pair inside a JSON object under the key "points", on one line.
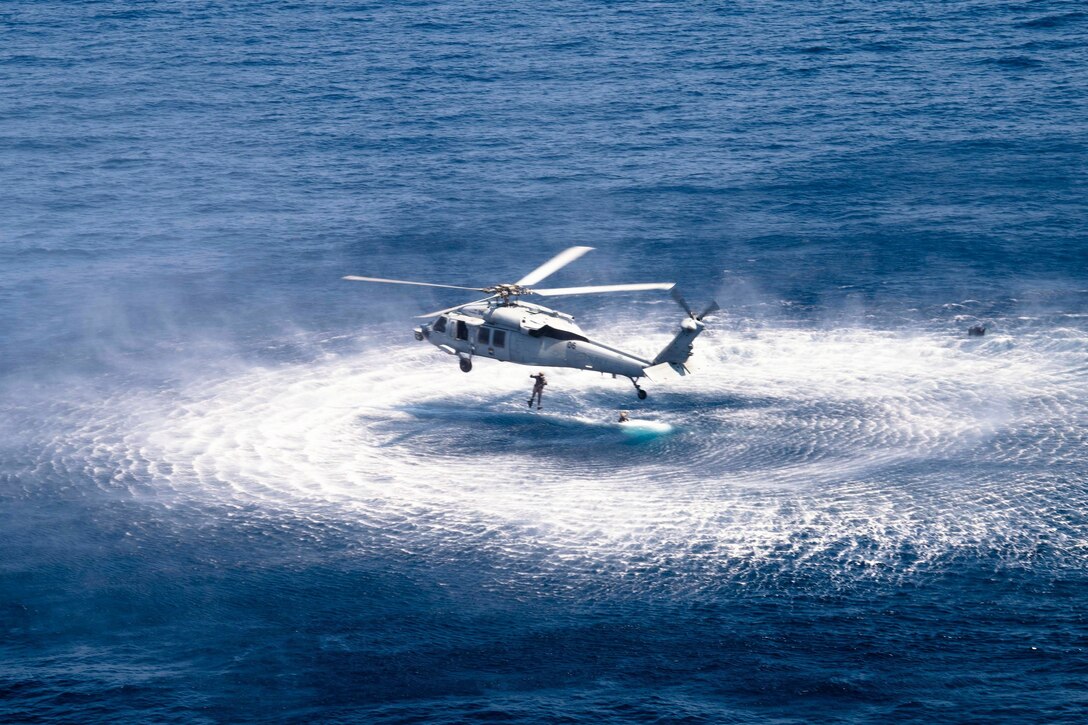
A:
{"points": [[353, 278], [456, 307], [560, 291], [553, 265]]}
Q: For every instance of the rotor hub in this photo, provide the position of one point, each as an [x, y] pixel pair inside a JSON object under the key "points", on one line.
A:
{"points": [[506, 291]]}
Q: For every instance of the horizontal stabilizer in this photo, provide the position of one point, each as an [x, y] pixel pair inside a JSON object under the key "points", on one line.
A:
{"points": [[679, 369], [654, 372]]}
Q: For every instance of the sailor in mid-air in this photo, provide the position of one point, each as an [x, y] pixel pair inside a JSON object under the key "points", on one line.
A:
{"points": [[538, 390]]}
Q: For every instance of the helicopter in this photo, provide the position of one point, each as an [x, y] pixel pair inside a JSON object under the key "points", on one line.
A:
{"points": [[502, 326]]}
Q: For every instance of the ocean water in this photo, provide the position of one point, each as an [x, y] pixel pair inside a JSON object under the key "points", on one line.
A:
{"points": [[233, 488]]}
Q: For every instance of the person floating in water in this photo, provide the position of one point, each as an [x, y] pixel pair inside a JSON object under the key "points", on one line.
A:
{"points": [[624, 417], [538, 390]]}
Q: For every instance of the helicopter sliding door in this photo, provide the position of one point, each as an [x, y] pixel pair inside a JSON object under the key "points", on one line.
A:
{"points": [[532, 349]]}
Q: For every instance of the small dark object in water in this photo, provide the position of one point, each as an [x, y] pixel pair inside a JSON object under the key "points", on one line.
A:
{"points": [[976, 330]]}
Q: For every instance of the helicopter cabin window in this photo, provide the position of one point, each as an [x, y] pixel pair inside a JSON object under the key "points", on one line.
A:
{"points": [[439, 325], [462, 330], [483, 335], [498, 338]]}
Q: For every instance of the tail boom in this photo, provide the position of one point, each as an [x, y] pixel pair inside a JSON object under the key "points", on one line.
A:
{"points": [[677, 352]]}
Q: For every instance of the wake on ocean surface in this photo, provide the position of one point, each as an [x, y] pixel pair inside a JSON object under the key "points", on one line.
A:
{"points": [[849, 451]]}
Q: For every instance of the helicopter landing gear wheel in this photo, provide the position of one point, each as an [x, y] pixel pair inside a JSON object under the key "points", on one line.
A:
{"points": [[466, 364], [641, 394]]}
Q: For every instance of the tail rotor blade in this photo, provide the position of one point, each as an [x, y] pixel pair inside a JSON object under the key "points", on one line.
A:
{"points": [[712, 307], [553, 265], [456, 307], [682, 302]]}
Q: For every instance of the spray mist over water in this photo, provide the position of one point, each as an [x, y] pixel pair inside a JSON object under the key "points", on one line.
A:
{"points": [[838, 450]]}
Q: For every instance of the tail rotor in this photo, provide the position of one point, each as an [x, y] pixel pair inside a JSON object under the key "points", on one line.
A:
{"points": [[712, 307]]}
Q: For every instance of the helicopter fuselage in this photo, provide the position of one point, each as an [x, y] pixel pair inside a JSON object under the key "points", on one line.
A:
{"points": [[529, 335]]}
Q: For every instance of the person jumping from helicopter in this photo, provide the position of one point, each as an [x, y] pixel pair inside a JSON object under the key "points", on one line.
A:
{"points": [[538, 390], [624, 417]]}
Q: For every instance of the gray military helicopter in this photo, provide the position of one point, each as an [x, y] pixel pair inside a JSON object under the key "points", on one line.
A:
{"points": [[504, 327]]}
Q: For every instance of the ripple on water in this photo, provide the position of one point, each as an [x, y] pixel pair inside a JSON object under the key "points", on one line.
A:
{"points": [[852, 450]]}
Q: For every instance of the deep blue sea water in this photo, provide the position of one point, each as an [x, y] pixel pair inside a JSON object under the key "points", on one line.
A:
{"points": [[233, 488]]}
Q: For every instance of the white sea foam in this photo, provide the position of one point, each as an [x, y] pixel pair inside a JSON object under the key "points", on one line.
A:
{"points": [[873, 452]]}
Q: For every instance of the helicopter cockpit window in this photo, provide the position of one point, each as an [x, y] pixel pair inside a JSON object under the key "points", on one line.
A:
{"points": [[483, 335], [462, 330], [439, 325], [498, 338]]}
